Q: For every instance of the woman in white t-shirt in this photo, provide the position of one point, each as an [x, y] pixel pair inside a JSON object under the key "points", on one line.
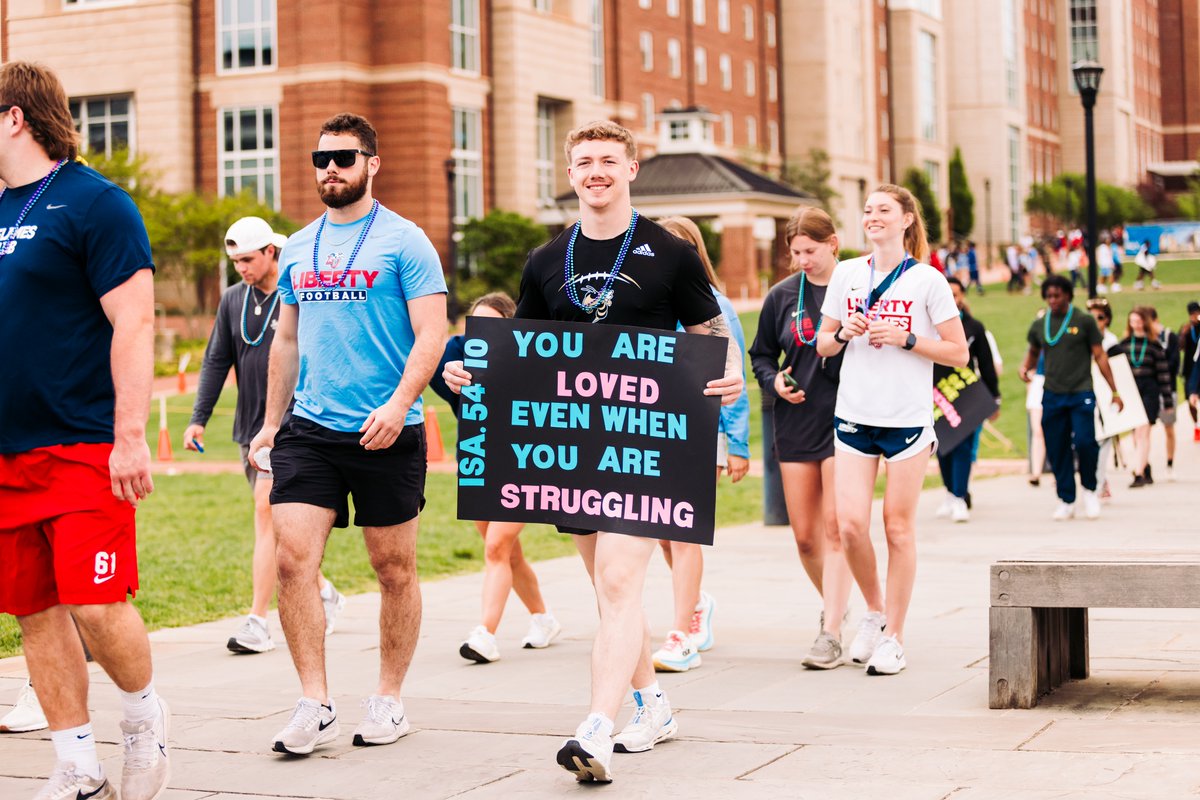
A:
{"points": [[895, 316]]}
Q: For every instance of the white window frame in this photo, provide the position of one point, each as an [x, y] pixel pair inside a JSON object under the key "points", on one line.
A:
{"points": [[723, 16], [267, 158], [773, 136], [752, 131], [674, 58], [649, 110], [699, 11], [544, 165], [727, 128], [468, 163], [597, 23], [464, 36], [725, 66], [672, 8], [265, 33], [927, 86], [85, 119], [772, 84], [751, 70], [646, 48], [748, 22], [701, 61]]}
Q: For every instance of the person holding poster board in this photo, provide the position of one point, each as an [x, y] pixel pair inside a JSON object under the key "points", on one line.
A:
{"points": [[1101, 311], [1152, 375], [1069, 340], [806, 391], [692, 632], [895, 317], [505, 567], [362, 325], [615, 267]]}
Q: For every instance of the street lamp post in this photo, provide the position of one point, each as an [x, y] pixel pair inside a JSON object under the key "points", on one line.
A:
{"points": [[452, 300], [987, 213], [1087, 80]]}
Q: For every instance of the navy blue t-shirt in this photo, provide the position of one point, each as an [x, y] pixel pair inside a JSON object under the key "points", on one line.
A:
{"points": [[82, 239]]}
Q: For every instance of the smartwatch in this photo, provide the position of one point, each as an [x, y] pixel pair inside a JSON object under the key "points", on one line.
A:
{"points": [[837, 337], [910, 342]]}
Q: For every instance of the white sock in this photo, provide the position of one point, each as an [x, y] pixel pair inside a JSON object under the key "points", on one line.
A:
{"points": [[140, 706], [263, 620], [652, 692], [606, 724], [78, 746], [327, 590]]}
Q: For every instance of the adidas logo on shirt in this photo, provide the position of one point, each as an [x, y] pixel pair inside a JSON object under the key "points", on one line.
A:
{"points": [[643, 250]]}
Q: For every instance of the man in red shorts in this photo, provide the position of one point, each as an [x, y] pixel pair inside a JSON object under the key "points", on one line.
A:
{"points": [[77, 316]]}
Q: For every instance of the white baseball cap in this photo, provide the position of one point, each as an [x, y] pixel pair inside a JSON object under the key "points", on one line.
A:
{"points": [[249, 234]]}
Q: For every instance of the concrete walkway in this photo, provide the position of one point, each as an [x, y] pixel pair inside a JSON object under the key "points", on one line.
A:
{"points": [[752, 723]]}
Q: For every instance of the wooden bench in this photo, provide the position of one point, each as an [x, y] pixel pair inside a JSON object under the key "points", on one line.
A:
{"points": [[1039, 612]]}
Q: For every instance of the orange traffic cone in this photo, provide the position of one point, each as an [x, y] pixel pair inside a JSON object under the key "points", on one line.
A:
{"points": [[164, 435], [434, 451], [182, 387]]}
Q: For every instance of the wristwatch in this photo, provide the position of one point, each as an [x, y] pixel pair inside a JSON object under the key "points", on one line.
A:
{"points": [[837, 337], [910, 342]]}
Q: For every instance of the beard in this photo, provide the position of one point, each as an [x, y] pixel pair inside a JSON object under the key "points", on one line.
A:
{"points": [[340, 195]]}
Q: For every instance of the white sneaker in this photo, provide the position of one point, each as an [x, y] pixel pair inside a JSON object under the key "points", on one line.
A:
{"points": [[1064, 511], [888, 658], [543, 629], [480, 646], [312, 724], [147, 765], [1155, 284], [947, 506], [678, 654], [384, 723], [701, 628], [870, 630], [26, 715], [1116, 287], [252, 637], [651, 724], [333, 605], [67, 784], [959, 511], [1137, 285], [588, 754], [1091, 504]]}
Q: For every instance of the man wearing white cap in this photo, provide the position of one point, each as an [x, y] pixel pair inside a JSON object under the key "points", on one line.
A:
{"points": [[241, 338]]}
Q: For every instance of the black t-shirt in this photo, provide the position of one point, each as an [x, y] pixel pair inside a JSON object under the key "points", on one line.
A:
{"points": [[661, 282], [226, 348], [803, 431]]}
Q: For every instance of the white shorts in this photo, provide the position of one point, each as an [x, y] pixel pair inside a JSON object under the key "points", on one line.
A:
{"points": [[1033, 394]]}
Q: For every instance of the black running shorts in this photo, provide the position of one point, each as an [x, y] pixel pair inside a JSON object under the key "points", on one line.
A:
{"points": [[320, 467]]}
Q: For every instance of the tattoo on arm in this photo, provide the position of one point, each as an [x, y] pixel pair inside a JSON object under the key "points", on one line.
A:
{"points": [[716, 326]]}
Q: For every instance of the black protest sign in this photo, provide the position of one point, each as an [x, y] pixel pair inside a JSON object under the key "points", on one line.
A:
{"points": [[594, 427], [961, 403]]}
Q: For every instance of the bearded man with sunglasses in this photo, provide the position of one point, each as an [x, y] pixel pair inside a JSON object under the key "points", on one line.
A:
{"points": [[361, 329]]}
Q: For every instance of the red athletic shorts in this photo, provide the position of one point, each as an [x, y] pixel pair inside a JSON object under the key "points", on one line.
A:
{"points": [[64, 538]]}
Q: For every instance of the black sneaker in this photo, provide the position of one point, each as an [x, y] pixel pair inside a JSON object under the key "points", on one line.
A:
{"points": [[1138, 482], [1148, 476]]}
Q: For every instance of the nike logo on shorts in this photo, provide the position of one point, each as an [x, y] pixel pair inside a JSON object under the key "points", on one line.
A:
{"points": [[99, 580], [912, 438]]}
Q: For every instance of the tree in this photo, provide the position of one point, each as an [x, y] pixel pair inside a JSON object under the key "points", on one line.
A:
{"points": [[1064, 198], [496, 247], [186, 229], [917, 182], [962, 202], [812, 176]]}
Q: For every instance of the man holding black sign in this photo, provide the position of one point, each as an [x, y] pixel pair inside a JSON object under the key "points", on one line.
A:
{"points": [[615, 267]]}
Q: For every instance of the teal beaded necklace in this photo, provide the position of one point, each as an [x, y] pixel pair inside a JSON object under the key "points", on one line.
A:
{"points": [[1136, 359], [1053, 340]]}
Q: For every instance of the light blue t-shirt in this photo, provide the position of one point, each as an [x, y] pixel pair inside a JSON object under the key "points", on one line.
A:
{"points": [[354, 339]]}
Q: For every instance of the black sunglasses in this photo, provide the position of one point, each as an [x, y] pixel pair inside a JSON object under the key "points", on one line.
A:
{"points": [[343, 158], [5, 108]]}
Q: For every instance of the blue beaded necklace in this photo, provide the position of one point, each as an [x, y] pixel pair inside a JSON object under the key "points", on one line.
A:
{"points": [[266, 323], [1053, 340], [32, 201], [362, 237], [798, 325], [569, 268], [1135, 359]]}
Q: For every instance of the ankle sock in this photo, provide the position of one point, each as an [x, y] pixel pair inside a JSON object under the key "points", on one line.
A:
{"points": [[327, 590], [651, 692], [78, 746], [140, 706]]}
